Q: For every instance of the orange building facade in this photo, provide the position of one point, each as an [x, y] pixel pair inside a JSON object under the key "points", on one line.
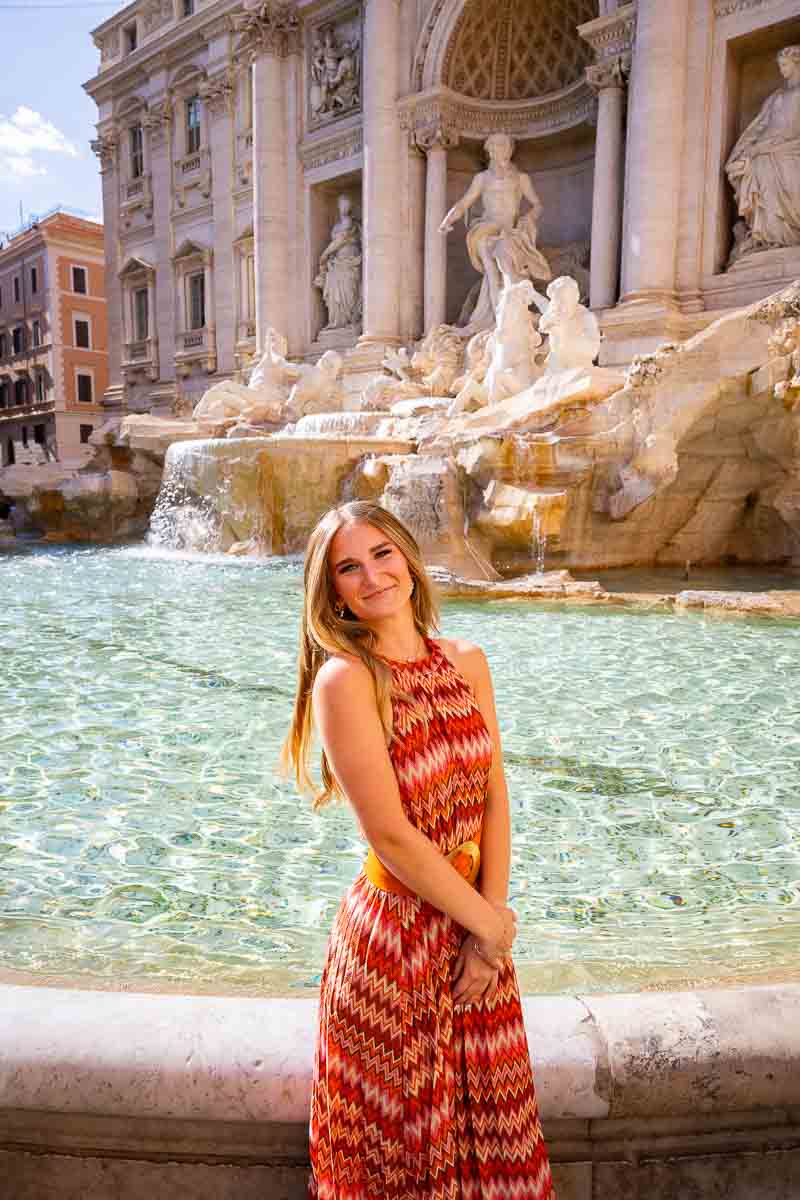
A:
{"points": [[53, 339]]}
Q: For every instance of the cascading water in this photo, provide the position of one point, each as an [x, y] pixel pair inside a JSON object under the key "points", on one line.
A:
{"points": [[538, 541], [211, 497], [181, 519]]}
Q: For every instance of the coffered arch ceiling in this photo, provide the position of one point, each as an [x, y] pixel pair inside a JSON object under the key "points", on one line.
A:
{"points": [[517, 49]]}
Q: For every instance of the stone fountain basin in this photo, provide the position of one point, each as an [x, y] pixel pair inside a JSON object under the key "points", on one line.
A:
{"points": [[658, 1094]]}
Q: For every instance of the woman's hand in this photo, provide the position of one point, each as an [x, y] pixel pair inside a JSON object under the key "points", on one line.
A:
{"points": [[473, 978], [494, 944]]}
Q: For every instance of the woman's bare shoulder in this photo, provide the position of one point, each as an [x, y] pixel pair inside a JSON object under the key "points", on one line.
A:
{"points": [[341, 670], [466, 657]]}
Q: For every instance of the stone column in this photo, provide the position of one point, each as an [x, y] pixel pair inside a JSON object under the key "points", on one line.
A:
{"points": [[415, 272], [383, 217], [218, 96], [164, 303], [608, 80], [272, 33], [655, 148], [106, 147], [435, 242]]}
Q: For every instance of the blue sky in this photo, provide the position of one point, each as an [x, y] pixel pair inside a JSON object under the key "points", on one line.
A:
{"points": [[46, 119]]}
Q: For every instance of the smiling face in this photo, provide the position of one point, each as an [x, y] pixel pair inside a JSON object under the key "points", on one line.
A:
{"points": [[369, 572]]}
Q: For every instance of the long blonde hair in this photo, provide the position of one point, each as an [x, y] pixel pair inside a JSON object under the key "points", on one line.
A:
{"points": [[323, 633]]}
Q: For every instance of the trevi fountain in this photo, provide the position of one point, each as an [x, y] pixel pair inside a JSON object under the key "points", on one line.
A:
{"points": [[606, 485]]}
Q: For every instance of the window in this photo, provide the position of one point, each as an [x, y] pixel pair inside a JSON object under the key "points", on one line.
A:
{"points": [[84, 388], [137, 151], [17, 340], [79, 280], [34, 279], [193, 125], [20, 391], [197, 301], [82, 335], [3, 345], [86, 433], [11, 459], [140, 315], [3, 395], [25, 435], [130, 38], [40, 389], [16, 289], [38, 435], [36, 338], [188, 8]]}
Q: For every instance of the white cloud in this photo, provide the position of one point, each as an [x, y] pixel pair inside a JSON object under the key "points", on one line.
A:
{"points": [[26, 134]]}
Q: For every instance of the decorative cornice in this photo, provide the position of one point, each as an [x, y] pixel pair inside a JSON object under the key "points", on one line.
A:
{"points": [[272, 28], [727, 8], [424, 114], [331, 149], [612, 36], [609, 73]]}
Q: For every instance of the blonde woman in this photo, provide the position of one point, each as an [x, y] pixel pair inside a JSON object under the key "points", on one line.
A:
{"points": [[422, 1081]]}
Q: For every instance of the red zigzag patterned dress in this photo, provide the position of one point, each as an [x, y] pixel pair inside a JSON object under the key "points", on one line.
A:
{"points": [[412, 1098]]}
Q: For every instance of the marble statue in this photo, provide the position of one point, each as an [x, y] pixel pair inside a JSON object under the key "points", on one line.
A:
{"points": [[500, 242], [512, 351], [764, 168], [264, 398], [574, 334], [334, 74], [339, 275], [318, 388], [432, 370]]}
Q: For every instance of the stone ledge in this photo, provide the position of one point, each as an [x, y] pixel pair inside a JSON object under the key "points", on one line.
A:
{"points": [[232, 1059]]}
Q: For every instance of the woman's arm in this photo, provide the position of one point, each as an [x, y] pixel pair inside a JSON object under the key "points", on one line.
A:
{"points": [[496, 837], [347, 717]]}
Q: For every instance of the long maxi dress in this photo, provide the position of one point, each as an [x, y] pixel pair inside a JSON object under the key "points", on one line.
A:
{"points": [[413, 1098]]}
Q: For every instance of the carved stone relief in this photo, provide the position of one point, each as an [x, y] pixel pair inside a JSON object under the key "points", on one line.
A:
{"points": [[105, 147], [334, 69], [156, 122], [219, 92]]}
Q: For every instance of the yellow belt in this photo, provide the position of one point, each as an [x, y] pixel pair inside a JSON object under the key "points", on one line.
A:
{"points": [[466, 859]]}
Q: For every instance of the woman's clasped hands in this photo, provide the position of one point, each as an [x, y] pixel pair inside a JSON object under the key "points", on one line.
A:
{"points": [[477, 966]]}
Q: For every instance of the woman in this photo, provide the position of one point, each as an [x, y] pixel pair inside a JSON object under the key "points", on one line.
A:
{"points": [[422, 1081]]}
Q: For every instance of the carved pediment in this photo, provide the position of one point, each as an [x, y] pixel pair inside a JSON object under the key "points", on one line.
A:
{"points": [[191, 249], [136, 266]]}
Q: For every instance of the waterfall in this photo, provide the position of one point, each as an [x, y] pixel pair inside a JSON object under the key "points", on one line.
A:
{"points": [[538, 541]]}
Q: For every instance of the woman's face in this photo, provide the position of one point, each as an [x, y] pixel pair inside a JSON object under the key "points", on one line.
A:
{"points": [[369, 572]]}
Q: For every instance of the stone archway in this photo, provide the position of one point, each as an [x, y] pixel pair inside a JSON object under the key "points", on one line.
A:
{"points": [[503, 49]]}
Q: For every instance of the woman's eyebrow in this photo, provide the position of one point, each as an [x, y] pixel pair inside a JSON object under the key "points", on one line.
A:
{"points": [[372, 549]]}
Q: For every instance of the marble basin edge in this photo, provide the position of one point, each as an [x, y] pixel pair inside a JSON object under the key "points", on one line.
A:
{"points": [[649, 1055]]}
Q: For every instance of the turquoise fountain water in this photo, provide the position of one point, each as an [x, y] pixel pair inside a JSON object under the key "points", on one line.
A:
{"points": [[653, 763]]}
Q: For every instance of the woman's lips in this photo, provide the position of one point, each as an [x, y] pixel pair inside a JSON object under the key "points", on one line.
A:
{"points": [[382, 592]]}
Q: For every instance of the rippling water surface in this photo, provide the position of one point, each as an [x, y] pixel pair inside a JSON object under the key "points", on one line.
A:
{"points": [[653, 764]]}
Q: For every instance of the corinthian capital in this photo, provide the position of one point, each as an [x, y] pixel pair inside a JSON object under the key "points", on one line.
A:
{"points": [[269, 27], [609, 72], [105, 147]]}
